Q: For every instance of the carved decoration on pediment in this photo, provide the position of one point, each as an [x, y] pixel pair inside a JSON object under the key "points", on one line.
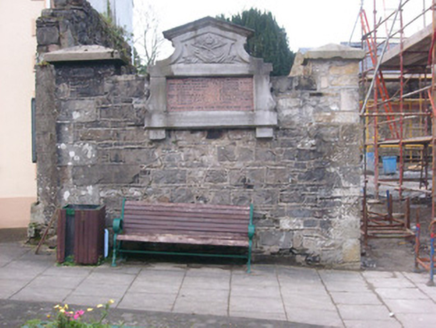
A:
{"points": [[210, 49]]}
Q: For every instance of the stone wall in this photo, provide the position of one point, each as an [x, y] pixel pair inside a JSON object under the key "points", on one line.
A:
{"points": [[304, 182]]}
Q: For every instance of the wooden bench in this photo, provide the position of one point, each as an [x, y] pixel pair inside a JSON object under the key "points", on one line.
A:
{"points": [[194, 224]]}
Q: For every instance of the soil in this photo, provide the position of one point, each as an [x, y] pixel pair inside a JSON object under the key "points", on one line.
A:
{"points": [[398, 254]]}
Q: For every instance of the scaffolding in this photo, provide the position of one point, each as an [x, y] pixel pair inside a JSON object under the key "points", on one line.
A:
{"points": [[398, 85]]}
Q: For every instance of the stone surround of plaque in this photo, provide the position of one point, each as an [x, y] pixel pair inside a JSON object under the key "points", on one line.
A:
{"points": [[210, 82]]}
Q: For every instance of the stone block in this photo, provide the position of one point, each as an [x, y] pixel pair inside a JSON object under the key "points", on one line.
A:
{"points": [[118, 112], [265, 155], [182, 195], [216, 176], [280, 239], [196, 177], [47, 35], [126, 86], [277, 176], [265, 197], [346, 69], [350, 100], [78, 111], [345, 81], [227, 154], [86, 175], [241, 134], [245, 155], [220, 198], [77, 154], [80, 195], [169, 176], [292, 197], [291, 224], [299, 213], [247, 177], [142, 156], [351, 250], [241, 198]]}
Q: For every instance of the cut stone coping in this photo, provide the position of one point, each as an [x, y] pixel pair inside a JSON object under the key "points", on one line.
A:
{"points": [[83, 53], [334, 51]]}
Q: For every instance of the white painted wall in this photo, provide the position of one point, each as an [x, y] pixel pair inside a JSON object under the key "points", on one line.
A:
{"points": [[17, 87]]}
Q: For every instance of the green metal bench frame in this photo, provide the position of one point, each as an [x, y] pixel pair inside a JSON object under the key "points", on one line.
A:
{"points": [[117, 244]]}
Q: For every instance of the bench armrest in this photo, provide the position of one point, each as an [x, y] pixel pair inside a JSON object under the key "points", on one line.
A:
{"points": [[117, 225]]}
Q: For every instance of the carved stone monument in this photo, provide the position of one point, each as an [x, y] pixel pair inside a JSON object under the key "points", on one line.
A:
{"points": [[210, 81]]}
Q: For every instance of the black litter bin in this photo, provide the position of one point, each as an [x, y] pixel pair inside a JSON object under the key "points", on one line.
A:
{"points": [[81, 233]]}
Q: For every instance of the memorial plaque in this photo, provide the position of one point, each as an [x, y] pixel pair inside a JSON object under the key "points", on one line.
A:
{"points": [[210, 94]]}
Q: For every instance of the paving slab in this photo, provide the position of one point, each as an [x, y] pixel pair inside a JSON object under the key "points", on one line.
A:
{"points": [[255, 291], [420, 320], [372, 323], [411, 306], [363, 312], [55, 295], [355, 298], [202, 305], [314, 302], [68, 271], [259, 305], [50, 282], [148, 302], [318, 317], [399, 282], [404, 293]]}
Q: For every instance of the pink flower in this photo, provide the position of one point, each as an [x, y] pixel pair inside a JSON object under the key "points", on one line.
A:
{"points": [[78, 314]]}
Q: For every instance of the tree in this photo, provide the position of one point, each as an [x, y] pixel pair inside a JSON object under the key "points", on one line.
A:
{"points": [[147, 37], [269, 41]]}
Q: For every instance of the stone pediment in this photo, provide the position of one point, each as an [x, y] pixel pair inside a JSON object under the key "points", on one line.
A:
{"points": [[209, 41], [210, 81]]}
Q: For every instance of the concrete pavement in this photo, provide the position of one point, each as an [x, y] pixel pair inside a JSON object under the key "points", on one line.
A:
{"points": [[275, 293]]}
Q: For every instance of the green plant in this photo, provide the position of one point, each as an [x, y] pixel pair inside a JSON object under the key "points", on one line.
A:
{"points": [[65, 318]]}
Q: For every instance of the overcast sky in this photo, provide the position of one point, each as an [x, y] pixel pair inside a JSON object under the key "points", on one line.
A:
{"points": [[308, 23]]}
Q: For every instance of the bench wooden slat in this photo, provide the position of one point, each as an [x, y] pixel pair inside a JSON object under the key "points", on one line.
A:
{"points": [[223, 216], [186, 226], [133, 204], [183, 239], [129, 228], [146, 218]]}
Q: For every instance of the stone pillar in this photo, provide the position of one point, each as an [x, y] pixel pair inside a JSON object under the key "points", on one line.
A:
{"points": [[47, 173], [335, 69]]}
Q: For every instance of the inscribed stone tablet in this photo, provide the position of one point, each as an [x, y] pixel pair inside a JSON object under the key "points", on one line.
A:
{"points": [[210, 94]]}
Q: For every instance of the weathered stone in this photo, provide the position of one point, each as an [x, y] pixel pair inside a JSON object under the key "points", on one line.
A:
{"points": [[265, 197], [348, 69], [216, 176], [247, 178], [47, 35], [81, 154], [277, 176], [241, 198], [105, 174], [227, 154], [78, 111], [182, 195], [169, 176], [265, 155], [245, 155], [282, 239], [119, 112]]}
